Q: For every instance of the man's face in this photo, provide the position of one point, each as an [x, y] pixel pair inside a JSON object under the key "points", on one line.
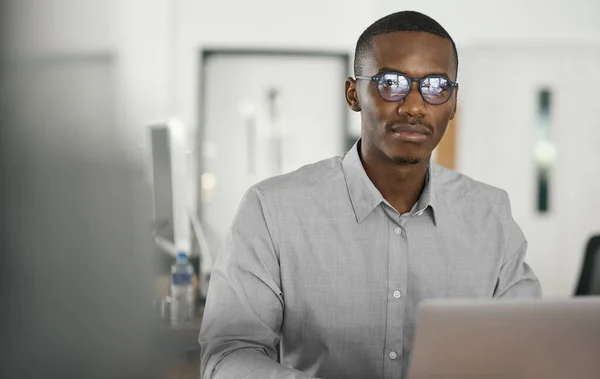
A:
{"points": [[406, 131]]}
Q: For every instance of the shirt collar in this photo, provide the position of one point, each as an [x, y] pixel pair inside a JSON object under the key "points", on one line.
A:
{"points": [[365, 196]]}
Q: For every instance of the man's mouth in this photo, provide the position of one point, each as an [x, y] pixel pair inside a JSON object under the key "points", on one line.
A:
{"points": [[410, 133]]}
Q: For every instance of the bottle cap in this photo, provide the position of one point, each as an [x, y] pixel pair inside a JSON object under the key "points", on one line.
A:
{"points": [[181, 257]]}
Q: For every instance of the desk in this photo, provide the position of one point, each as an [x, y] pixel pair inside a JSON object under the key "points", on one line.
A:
{"points": [[181, 347]]}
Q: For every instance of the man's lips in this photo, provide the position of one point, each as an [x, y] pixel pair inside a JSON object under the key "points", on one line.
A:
{"points": [[410, 132]]}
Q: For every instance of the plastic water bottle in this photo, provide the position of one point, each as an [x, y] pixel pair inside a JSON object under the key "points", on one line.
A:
{"points": [[182, 291]]}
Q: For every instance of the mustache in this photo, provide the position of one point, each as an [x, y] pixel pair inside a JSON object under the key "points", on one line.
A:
{"points": [[409, 125]]}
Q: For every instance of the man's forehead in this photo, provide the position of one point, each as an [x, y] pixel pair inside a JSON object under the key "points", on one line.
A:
{"points": [[411, 51]]}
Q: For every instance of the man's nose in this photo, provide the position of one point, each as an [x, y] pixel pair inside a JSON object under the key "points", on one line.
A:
{"points": [[413, 104]]}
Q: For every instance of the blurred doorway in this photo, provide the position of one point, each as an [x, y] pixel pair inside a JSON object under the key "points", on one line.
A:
{"points": [[264, 114]]}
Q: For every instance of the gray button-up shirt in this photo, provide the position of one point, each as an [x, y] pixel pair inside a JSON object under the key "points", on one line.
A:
{"points": [[316, 261]]}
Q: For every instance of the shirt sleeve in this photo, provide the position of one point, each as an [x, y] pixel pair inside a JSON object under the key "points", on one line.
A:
{"points": [[516, 278], [244, 308]]}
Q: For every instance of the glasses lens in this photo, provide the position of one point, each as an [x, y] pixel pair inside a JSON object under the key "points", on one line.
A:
{"points": [[436, 89], [393, 87]]}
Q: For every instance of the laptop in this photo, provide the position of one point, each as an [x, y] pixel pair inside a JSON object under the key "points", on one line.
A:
{"points": [[507, 339]]}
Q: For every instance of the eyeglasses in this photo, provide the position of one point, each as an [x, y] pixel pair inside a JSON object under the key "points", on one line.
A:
{"points": [[393, 86]]}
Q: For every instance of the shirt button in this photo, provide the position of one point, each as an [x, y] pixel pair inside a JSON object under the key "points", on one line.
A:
{"points": [[397, 294], [397, 230], [393, 355]]}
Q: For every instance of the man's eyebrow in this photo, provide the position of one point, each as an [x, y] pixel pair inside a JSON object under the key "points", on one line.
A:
{"points": [[387, 69], [390, 69]]}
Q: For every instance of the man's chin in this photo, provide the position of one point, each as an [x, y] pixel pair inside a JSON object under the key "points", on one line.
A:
{"points": [[406, 159], [406, 153]]}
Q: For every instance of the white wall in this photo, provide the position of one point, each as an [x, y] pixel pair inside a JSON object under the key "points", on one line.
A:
{"points": [[509, 21], [51, 27]]}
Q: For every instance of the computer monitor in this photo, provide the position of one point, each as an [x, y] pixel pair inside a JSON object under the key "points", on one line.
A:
{"points": [[162, 182]]}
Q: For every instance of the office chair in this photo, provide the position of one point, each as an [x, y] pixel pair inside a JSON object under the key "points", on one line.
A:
{"points": [[589, 279]]}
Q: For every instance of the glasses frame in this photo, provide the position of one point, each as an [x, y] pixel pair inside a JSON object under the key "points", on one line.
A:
{"points": [[377, 78]]}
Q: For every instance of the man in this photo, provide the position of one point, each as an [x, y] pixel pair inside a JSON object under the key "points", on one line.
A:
{"points": [[330, 262]]}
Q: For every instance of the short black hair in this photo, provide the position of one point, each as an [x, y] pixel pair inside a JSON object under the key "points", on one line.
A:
{"points": [[404, 21]]}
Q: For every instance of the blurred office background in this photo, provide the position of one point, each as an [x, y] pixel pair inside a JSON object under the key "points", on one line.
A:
{"points": [[130, 122]]}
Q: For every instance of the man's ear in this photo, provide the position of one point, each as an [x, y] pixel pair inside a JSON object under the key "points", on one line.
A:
{"points": [[453, 111], [352, 94]]}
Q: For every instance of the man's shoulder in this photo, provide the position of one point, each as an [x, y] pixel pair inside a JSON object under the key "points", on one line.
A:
{"points": [[460, 187], [306, 178]]}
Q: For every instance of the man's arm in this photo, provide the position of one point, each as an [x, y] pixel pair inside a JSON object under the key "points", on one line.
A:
{"points": [[244, 308], [516, 278]]}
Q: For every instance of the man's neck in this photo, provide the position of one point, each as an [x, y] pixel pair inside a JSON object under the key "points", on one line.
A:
{"points": [[400, 184]]}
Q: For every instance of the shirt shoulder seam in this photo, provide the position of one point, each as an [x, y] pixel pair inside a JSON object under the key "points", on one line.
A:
{"points": [[269, 221]]}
